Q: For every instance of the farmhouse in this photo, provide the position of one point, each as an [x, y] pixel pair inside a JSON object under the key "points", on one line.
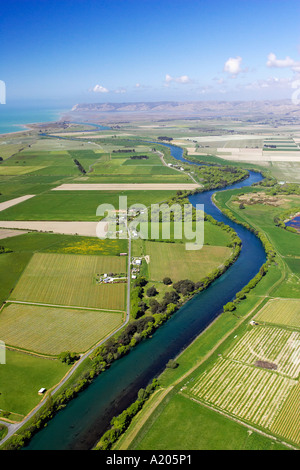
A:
{"points": [[137, 262]]}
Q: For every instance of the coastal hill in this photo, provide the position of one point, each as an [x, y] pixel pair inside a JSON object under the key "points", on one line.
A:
{"points": [[194, 109]]}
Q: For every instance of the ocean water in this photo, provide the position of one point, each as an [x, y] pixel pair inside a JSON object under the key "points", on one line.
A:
{"points": [[14, 118]]}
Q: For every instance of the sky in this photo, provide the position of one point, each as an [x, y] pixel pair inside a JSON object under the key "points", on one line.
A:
{"points": [[84, 51]]}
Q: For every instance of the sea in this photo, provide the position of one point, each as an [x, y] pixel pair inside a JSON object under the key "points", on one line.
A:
{"points": [[13, 118]]}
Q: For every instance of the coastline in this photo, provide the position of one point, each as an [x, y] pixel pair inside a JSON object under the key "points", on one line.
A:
{"points": [[26, 129], [32, 118]]}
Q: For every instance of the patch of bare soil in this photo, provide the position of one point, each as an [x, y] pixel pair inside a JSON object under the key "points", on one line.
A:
{"points": [[260, 198], [266, 365]]}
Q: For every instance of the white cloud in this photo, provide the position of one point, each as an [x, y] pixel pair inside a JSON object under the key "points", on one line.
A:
{"points": [[288, 62], [183, 79], [233, 66], [100, 89]]}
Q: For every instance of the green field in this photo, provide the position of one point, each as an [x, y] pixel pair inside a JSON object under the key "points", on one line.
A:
{"points": [[66, 244], [172, 259], [69, 280], [285, 312], [22, 377], [11, 267], [213, 234], [185, 425], [18, 170], [78, 205], [50, 331]]}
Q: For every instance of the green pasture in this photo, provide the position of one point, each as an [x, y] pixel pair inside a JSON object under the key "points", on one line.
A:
{"points": [[172, 259], [67, 244], [11, 268], [78, 205], [22, 377], [182, 424]]}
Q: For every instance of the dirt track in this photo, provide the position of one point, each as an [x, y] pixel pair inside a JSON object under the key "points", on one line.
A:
{"points": [[87, 229], [13, 202]]}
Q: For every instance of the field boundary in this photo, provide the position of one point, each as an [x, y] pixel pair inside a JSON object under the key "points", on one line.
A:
{"points": [[126, 186], [61, 306], [243, 423]]}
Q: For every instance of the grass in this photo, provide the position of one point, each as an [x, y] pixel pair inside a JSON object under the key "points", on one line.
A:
{"points": [[50, 331], [66, 244], [11, 267], [21, 378], [18, 170], [213, 234], [262, 216], [78, 205], [70, 280], [193, 265], [285, 312], [186, 425]]}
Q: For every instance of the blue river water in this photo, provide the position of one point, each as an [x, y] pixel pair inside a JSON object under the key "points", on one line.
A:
{"points": [[295, 223], [80, 424]]}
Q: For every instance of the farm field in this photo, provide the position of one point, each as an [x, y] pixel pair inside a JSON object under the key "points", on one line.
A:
{"points": [[128, 164], [58, 271], [251, 394], [50, 330], [285, 312], [264, 399], [69, 280], [213, 235], [174, 428], [262, 215], [11, 268], [287, 422], [10, 233], [66, 244], [193, 265], [22, 376], [86, 229], [62, 160], [13, 202], [285, 171], [18, 170], [78, 205], [274, 347]]}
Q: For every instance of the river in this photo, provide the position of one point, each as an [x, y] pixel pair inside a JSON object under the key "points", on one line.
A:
{"points": [[80, 424]]}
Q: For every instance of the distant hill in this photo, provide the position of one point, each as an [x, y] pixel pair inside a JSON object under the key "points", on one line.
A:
{"points": [[204, 109]]}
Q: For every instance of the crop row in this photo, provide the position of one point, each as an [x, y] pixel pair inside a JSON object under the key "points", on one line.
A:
{"points": [[274, 345], [287, 422], [252, 394], [281, 311]]}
